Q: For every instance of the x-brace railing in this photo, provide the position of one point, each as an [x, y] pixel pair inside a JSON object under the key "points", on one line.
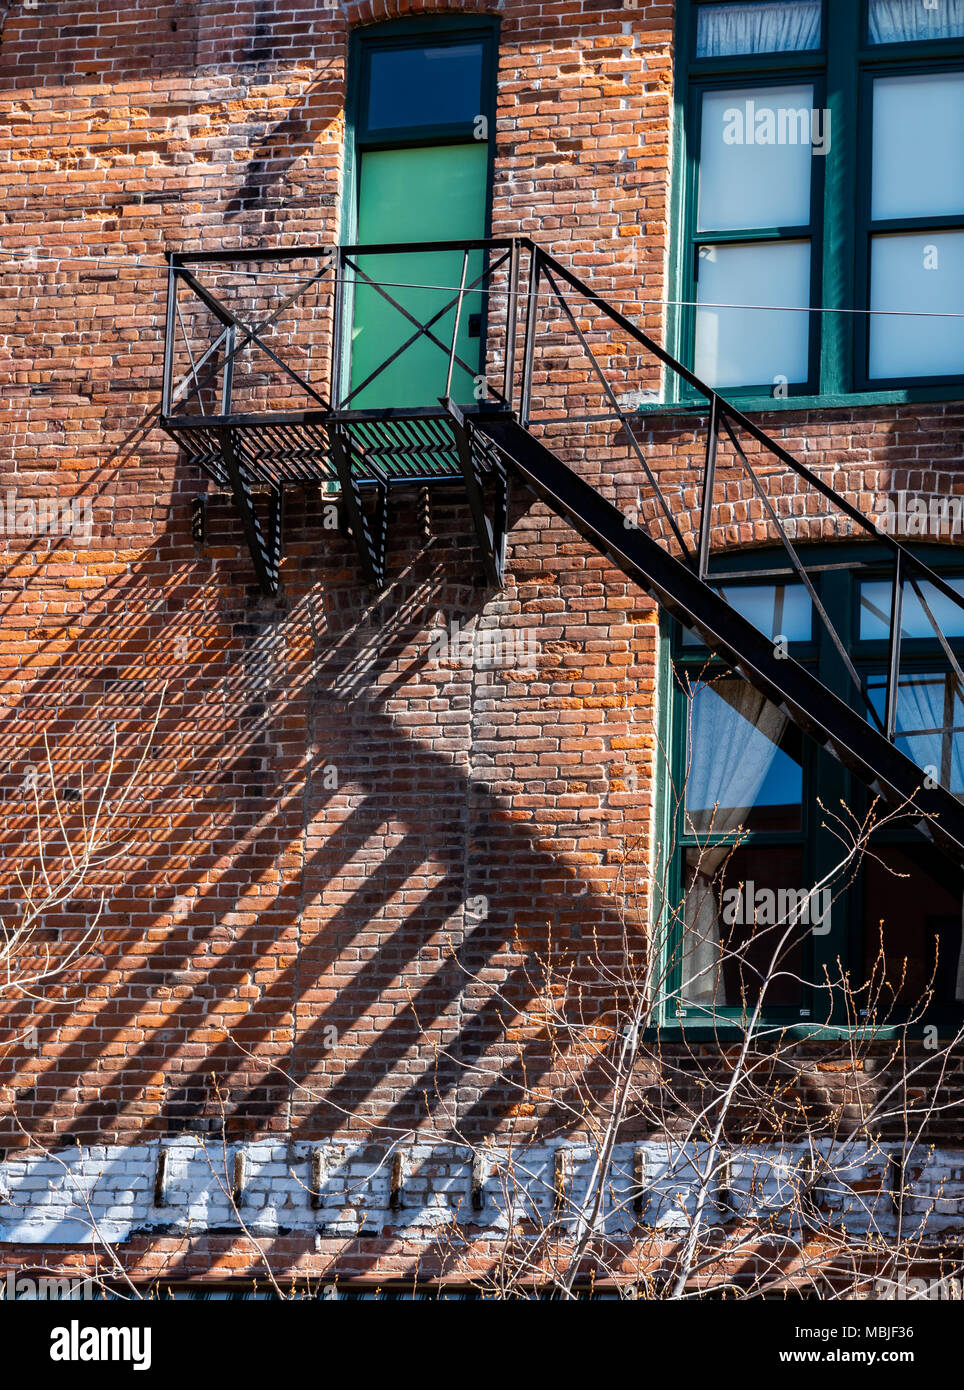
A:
{"points": [[179, 274], [349, 262], [342, 268]]}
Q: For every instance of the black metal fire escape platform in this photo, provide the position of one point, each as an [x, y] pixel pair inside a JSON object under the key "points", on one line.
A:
{"points": [[240, 306], [414, 448], [560, 371]]}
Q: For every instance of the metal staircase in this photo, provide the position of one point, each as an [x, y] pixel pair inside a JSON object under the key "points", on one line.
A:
{"points": [[560, 373]]}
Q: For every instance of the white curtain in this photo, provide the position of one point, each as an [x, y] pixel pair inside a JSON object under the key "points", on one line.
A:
{"points": [[736, 733], [921, 706], [780, 26], [903, 21]]}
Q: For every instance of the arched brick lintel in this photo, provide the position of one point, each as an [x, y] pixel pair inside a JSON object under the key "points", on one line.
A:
{"points": [[359, 12]]}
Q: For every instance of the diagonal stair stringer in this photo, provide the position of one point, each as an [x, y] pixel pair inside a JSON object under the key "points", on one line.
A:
{"points": [[814, 708]]}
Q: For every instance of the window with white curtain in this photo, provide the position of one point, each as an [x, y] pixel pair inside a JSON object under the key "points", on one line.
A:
{"points": [[757, 915], [911, 21], [779, 27], [823, 234]]}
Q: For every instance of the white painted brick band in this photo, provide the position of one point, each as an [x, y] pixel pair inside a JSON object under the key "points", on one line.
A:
{"points": [[62, 1197]]}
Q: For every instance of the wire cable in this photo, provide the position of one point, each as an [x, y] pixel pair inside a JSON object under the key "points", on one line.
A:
{"points": [[281, 279]]}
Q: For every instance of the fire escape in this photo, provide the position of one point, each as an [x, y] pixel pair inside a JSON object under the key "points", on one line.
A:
{"points": [[557, 371]]}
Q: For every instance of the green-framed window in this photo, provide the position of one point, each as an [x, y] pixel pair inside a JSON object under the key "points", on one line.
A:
{"points": [[752, 831], [419, 146], [819, 168]]}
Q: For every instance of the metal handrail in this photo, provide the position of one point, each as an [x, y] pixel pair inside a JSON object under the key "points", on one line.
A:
{"points": [[721, 413]]}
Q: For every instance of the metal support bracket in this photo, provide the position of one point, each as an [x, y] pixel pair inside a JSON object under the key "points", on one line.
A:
{"points": [[276, 531], [490, 535], [370, 537], [265, 555], [199, 520]]}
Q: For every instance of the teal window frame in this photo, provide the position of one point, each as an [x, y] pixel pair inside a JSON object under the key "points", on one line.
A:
{"points": [[838, 572], [845, 64], [868, 227]]}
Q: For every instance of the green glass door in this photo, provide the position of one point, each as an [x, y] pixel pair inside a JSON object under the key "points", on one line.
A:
{"points": [[425, 100], [428, 193]]}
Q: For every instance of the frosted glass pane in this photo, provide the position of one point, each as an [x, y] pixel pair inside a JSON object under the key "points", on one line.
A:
{"points": [[906, 21], [783, 26], [753, 346], [918, 168], [745, 183], [915, 274]]}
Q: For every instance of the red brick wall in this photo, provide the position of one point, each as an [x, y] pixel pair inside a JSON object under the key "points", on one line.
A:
{"points": [[252, 906]]}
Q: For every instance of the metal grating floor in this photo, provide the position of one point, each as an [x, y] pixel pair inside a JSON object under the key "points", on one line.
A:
{"points": [[387, 447]]}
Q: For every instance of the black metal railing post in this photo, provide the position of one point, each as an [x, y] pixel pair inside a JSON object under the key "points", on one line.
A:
{"points": [[893, 660], [167, 380], [511, 312], [227, 379], [532, 309], [709, 477], [339, 290], [455, 330]]}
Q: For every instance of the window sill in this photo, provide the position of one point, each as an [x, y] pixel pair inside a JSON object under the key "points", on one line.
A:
{"points": [[675, 1030], [759, 405]]}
